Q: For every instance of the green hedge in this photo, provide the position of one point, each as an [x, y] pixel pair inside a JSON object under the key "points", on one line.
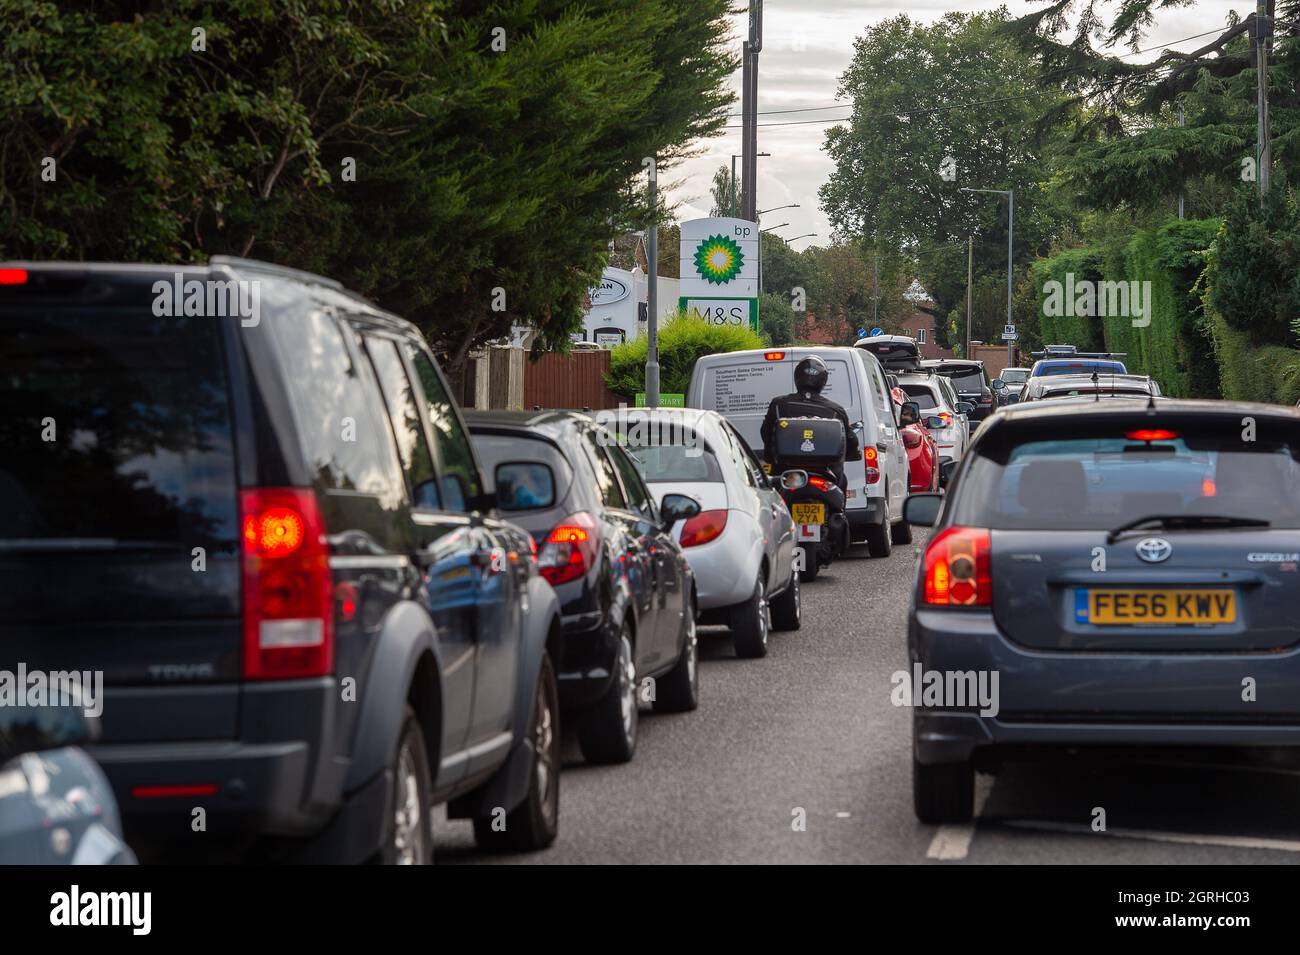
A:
{"points": [[681, 341], [1269, 373], [1068, 329], [1175, 346]]}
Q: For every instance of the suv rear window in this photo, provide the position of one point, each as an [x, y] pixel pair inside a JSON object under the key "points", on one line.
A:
{"points": [[676, 462], [969, 380], [1101, 483], [116, 426], [922, 395]]}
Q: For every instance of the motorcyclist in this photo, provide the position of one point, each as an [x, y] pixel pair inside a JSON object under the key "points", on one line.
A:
{"points": [[810, 377]]}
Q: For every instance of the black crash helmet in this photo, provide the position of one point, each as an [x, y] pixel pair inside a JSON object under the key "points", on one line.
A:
{"points": [[810, 376]]}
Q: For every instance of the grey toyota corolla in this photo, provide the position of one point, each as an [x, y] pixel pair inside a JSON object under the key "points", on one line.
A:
{"points": [[1107, 577]]}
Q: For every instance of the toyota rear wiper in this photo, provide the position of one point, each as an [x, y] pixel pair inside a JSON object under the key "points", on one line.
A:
{"points": [[1183, 522]]}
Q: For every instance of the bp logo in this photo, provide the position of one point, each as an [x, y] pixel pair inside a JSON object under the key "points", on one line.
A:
{"points": [[718, 259]]}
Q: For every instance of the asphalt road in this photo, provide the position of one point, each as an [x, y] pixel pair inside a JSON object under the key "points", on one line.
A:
{"points": [[811, 727]]}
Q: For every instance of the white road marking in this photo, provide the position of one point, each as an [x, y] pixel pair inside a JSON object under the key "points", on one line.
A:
{"points": [[1155, 835], [842, 815], [953, 842]]}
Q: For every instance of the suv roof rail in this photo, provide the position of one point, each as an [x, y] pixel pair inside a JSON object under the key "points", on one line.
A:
{"points": [[257, 265]]}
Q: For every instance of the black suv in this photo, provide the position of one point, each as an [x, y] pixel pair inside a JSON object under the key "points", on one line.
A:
{"points": [[244, 496], [971, 382], [627, 593]]}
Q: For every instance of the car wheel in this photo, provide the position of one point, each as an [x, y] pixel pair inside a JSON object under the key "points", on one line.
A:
{"points": [[810, 568], [943, 792], [785, 608], [878, 536], [900, 533], [750, 623], [607, 730], [534, 823], [679, 690], [408, 836]]}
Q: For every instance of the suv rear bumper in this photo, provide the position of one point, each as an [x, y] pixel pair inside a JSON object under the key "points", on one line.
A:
{"points": [[860, 518], [1057, 699], [244, 789]]}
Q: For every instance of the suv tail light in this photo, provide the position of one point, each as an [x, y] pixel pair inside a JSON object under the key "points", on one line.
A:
{"points": [[958, 568], [570, 549], [288, 586], [709, 525], [870, 457]]}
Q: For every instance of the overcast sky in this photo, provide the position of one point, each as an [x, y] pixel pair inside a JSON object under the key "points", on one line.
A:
{"points": [[807, 44]]}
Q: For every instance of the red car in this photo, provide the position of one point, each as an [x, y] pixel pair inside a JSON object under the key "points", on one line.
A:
{"points": [[922, 455]]}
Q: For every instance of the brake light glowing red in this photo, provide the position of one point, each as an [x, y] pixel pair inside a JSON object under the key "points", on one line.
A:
{"points": [[167, 792], [570, 549], [870, 456], [818, 482], [289, 596], [709, 525], [1209, 488], [774, 355], [958, 568], [13, 276], [1151, 434]]}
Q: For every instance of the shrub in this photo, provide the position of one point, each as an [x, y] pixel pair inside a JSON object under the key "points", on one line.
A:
{"points": [[1253, 277], [682, 340]]}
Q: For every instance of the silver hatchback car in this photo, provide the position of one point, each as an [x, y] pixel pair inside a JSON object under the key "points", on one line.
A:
{"points": [[1122, 576]]}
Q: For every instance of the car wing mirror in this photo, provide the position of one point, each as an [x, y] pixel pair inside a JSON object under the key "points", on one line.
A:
{"points": [[677, 507]]}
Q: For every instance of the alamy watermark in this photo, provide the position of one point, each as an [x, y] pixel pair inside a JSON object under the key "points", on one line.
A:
{"points": [[209, 298], [637, 428], [1085, 298], [53, 688], [946, 689]]}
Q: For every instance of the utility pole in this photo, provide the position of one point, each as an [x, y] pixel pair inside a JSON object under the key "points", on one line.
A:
{"points": [[652, 292], [1262, 31], [970, 273], [733, 175], [1181, 123], [1011, 231], [749, 111], [875, 288]]}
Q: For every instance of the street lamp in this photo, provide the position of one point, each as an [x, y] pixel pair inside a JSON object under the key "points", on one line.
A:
{"points": [[734, 157], [1011, 225], [781, 226], [793, 205], [804, 236]]}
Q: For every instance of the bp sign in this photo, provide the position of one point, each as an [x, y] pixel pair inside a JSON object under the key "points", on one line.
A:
{"points": [[719, 270]]}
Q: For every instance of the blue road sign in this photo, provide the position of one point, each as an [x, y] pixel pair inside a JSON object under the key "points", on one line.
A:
{"points": [[862, 333], [877, 331]]}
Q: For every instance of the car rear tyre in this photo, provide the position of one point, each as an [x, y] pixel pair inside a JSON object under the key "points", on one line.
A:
{"points": [[943, 792], [408, 836], [534, 823], [607, 730], [750, 623], [679, 690], [810, 568], [900, 533], [786, 613], [879, 543]]}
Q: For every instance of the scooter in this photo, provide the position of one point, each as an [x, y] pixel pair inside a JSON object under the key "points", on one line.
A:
{"points": [[806, 450]]}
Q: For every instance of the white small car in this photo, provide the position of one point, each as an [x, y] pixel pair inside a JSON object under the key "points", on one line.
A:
{"points": [[935, 395], [741, 545]]}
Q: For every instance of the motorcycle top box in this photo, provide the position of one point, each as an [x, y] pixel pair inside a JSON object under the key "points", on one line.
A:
{"points": [[810, 441]]}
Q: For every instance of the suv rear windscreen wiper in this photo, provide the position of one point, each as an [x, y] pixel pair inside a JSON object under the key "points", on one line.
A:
{"points": [[1184, 522]]}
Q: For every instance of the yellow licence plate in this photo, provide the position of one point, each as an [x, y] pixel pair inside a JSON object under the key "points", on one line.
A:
{"points": [[808, 513], [1146, 606]]}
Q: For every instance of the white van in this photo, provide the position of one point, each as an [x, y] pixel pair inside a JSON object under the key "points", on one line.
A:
{"points": [[740, 385]]}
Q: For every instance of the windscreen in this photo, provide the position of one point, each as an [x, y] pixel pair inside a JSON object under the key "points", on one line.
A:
{"points": [[922, 395], [1101, 483]]}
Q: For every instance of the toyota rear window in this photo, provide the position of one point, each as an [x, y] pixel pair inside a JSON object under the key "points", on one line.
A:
{"points": [[1100, 483]]}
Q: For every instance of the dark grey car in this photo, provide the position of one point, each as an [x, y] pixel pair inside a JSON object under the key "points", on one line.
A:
{"points": [[1123, 576]]}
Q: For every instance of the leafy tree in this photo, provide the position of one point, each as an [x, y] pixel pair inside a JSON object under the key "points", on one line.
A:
{"points": [[725, 201], [1253, 275], [777, 319], [497, 148], [900, 163]]}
